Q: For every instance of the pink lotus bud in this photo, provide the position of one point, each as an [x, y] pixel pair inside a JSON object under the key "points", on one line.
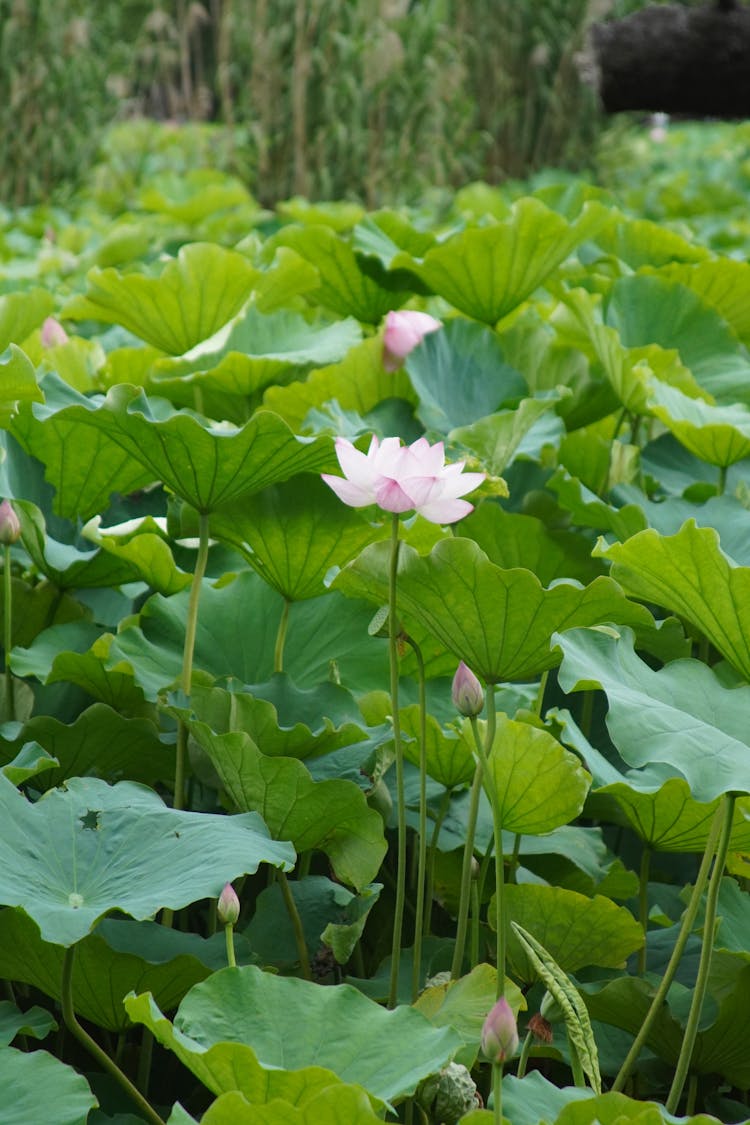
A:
{"points": [[228, 909], [500, 1033], [53, 333], [403, 331], [10, 525], [467, 694]]}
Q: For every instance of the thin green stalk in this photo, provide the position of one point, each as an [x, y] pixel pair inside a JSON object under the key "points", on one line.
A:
{"points": [[393, 632], [416, 977], [497, 831], [643, 904], [579, 1078], [514, 858], [71, 1022], [525, 1051], [10, 709], [686, 928], [299, 933], [187, 656], [442, 813], [704, 965], [474, 940], [692, 1095], [278, 652], [464, 899], [722, 480], [539, 701], [497, 1092], [144, 1061], [229, 939]]}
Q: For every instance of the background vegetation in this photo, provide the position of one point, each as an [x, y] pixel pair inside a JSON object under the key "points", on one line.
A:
{"points": [[374, 99]]}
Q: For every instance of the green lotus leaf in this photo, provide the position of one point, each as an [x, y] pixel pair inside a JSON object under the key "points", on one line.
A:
{"points": [[337, 214], [100, 742], [606, 1109], [723, 283], [498, 621], [343, 286], [577, 931], [36, 1022], [165, 962], [486, 272], [681, 715], [320, 630], [689, 574], [510, 540], [449, 754], [719, 435], [463, 1004], [467, 356], [641, 242], [17, 383], [533, 1099], [330, 914], [537, 784], [588, 510], [328, 816], [195, 295], [288, 1022], [189, 198], [724, 513], [654, 310], [37, 606], [359, 382], [78, 362], [260, 349], [629, 369], [336, 1105], [496, 438], [293, 534], [147, 555], [99, 848], [30, 761], [38, 1087], [21, 313], [287, 278]]}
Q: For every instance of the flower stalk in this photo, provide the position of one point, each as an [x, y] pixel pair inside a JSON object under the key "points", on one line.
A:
{"points": [[191, 627], [393, 638], [416, 979]]}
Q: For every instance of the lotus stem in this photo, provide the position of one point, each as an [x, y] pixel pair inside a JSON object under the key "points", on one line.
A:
{"points": [[465, 896], [643, 905], [229, 938], [299, 933], [497, 1092], [71, 1022], [524, 1057], [278, 652], [483, 750], [704, 965], [442, 812], [191, 627], [393, 637], [416, 979], [10, 709], [686, 928], [722, 480]]}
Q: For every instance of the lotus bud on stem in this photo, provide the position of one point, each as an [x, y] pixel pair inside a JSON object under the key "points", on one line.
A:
{"points": [[10, 533], [228, 912], [499, 1044]]}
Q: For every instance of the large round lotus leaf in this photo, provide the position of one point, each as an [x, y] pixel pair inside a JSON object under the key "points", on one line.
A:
{"points": [[577, 931], [18, 381], [204, 463], [533, 1098], [499, 622], [537, 784], [329, 816], [467, 356], [38, 1087], [617, 1109], [719, 435], [165, 962], [641, 242], [293, 534], [681, 715], [496, 438], [81, 852], [358, 383], [36, 1022], [336, 1105], [196, 294], [589, 510], [690, 575], [20, 314], [291, 1023], [488, 271], [723, 283]]}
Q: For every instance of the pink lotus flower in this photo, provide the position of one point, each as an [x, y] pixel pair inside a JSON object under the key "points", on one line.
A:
{"points": [[401, 478], [53, 333], [500, 1033], [467, 694], [403, 331]]}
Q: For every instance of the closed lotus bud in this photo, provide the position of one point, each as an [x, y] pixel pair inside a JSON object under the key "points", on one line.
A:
{"points": [[228, 910], [10, 525], [403, 331], [500, 1033], [53, 333], [467, 694]]}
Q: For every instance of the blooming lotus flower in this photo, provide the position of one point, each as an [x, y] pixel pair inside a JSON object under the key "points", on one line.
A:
{"points": [[500, 1033], [401, 478], [403, 331], [467, 694], [53, 333]]}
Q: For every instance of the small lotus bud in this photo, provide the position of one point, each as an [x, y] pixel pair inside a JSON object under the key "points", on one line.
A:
{"points": [[228, 910], [10, 525], [467, 694], [403, 331], [500, 1033], [53, 333]]}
